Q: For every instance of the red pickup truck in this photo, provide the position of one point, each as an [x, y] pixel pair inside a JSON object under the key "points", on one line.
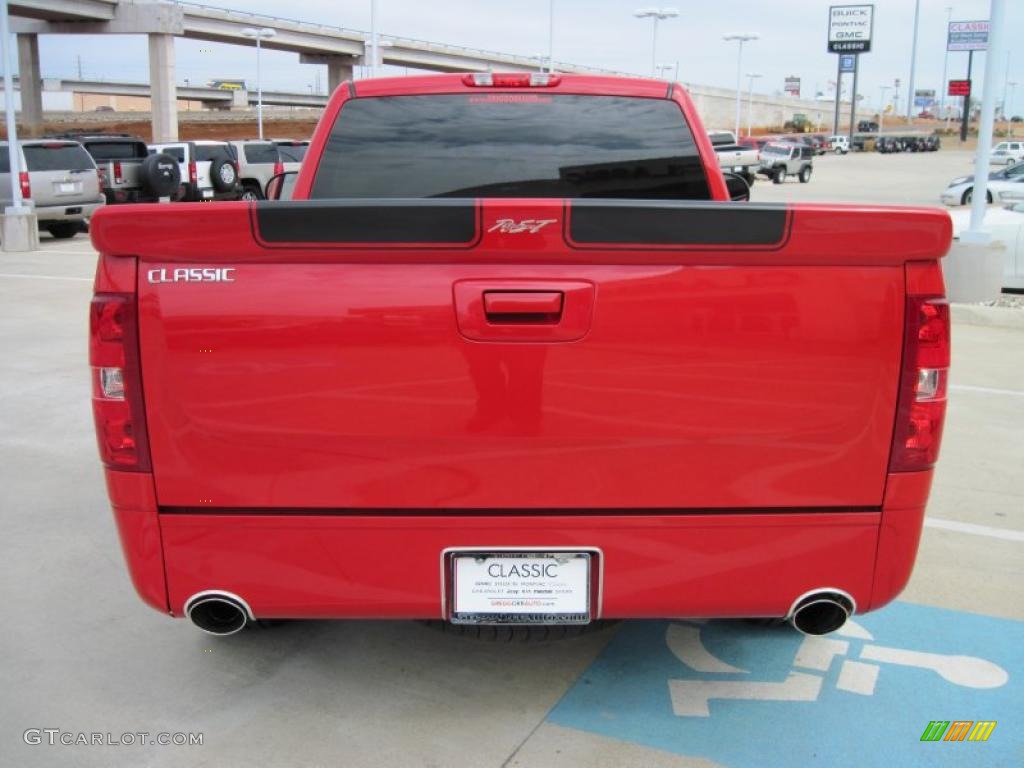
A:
{"points": [[510, 355]]}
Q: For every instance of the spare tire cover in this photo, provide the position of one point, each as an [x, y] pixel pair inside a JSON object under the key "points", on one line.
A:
{"points": [[161, 175]]}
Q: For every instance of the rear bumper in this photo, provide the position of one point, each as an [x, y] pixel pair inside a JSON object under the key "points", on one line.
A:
{"points": [[392, 566], [78, 211]]}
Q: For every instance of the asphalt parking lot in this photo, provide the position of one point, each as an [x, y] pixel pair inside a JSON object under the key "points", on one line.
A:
{"points": [[82, 654]]}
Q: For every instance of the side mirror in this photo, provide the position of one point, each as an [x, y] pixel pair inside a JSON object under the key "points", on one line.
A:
{"points": [[739, 188], [280, 187]]}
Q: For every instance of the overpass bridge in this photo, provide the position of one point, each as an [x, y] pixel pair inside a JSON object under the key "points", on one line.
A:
{"points": [[216, 98], [336, 47]]}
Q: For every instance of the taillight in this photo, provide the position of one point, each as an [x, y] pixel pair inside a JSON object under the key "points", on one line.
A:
{"points": [[99, 179], [26, 187], [924, 377], [118, 178], [117, 383], [278, 167], [193, 175], [512, 80]]}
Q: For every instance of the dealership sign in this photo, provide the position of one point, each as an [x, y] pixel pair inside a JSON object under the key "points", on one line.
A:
{"points": [[959, 87], [792, 86], [967, 36], [924, 98], [849, 28]]}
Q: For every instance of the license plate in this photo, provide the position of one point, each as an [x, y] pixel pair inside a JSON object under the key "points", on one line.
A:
{"points": [[207, 193], [67, 187], [521, 588]]}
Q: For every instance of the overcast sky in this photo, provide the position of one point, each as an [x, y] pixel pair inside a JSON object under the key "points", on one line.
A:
{"points": [[596, 32]]}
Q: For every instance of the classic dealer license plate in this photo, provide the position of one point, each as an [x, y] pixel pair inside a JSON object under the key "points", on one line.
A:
{"points": [[521, 588]]}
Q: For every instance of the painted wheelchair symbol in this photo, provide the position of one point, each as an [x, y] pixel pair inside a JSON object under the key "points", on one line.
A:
{"points": [[690, 698]]}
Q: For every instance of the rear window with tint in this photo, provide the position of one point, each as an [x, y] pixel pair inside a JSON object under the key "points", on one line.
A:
{"points": [[213, 152], [117, 150], [65, 157], [261, 153], [292, 153], [511, 145]]}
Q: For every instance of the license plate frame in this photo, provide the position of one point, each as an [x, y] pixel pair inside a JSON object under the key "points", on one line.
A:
{"points": [[575, 608]]}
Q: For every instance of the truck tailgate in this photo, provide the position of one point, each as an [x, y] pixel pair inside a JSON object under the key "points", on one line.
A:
{"points": [[618, 357]]}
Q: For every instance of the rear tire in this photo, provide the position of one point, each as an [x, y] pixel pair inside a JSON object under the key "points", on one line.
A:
{"points": [[780, 176], [805, 174], [251, 191], [63, 230]]}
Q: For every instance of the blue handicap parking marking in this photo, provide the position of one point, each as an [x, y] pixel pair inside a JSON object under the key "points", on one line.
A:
{"points": [[746, 695]]}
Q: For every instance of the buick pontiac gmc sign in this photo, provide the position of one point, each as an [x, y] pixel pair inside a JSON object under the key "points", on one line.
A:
{"points": [[849, 28]]}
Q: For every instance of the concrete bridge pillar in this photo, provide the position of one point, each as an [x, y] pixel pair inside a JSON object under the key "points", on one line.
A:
{"points": [[339, 68], [30, 83], [164, 91]]}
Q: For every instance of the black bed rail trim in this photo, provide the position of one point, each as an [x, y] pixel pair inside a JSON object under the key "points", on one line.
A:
{"points": [[436, 223], [501, 512], [603, 224]]}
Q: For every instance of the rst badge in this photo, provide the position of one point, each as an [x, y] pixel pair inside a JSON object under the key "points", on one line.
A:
{"points": [[192, 275], [513, 227]]}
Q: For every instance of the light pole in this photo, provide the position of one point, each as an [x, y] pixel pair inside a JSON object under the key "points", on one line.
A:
{"points": [[1010, 85], [373, 38], [881, 107], [750, 102], [657, 14], [741, 39], [551, 37], [945, 62], [661, 69], [259, 34], [913, 62]]}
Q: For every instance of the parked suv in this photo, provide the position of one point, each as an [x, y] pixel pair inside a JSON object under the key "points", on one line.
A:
{"points": [[781, 159], [291, 153], [258, 161], [129, 173], [839, 144], [208, 169], [1008, 152], [61, 180]]}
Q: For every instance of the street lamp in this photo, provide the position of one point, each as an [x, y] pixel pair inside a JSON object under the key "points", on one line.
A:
{"points": [[945, 62], [741, 39], [259, 34], [661, 69], [657, 14], [881, 108], [1011, 85], [750, 103]]}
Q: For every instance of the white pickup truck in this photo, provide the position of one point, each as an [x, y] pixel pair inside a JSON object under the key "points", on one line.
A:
{"points": [[734, 157]]}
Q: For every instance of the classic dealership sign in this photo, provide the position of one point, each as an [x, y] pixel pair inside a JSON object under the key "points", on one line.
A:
{"points": [[849, 28]]}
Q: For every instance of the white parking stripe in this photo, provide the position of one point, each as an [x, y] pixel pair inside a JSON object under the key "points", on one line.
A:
{"points": [[987, 390], [47, 277], [1006, 534]]}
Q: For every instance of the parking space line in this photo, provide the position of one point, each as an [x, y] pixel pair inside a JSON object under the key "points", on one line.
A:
{"points": [[47, 277], [1006, 534], [987, 390]]}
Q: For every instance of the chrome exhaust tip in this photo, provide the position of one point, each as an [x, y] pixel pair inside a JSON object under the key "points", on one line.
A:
{"points": [[218, 613], [821, 611]]}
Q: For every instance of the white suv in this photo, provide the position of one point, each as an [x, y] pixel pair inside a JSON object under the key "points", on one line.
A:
{"points": [[1008, 152], [209, 169], [258, 162]]}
